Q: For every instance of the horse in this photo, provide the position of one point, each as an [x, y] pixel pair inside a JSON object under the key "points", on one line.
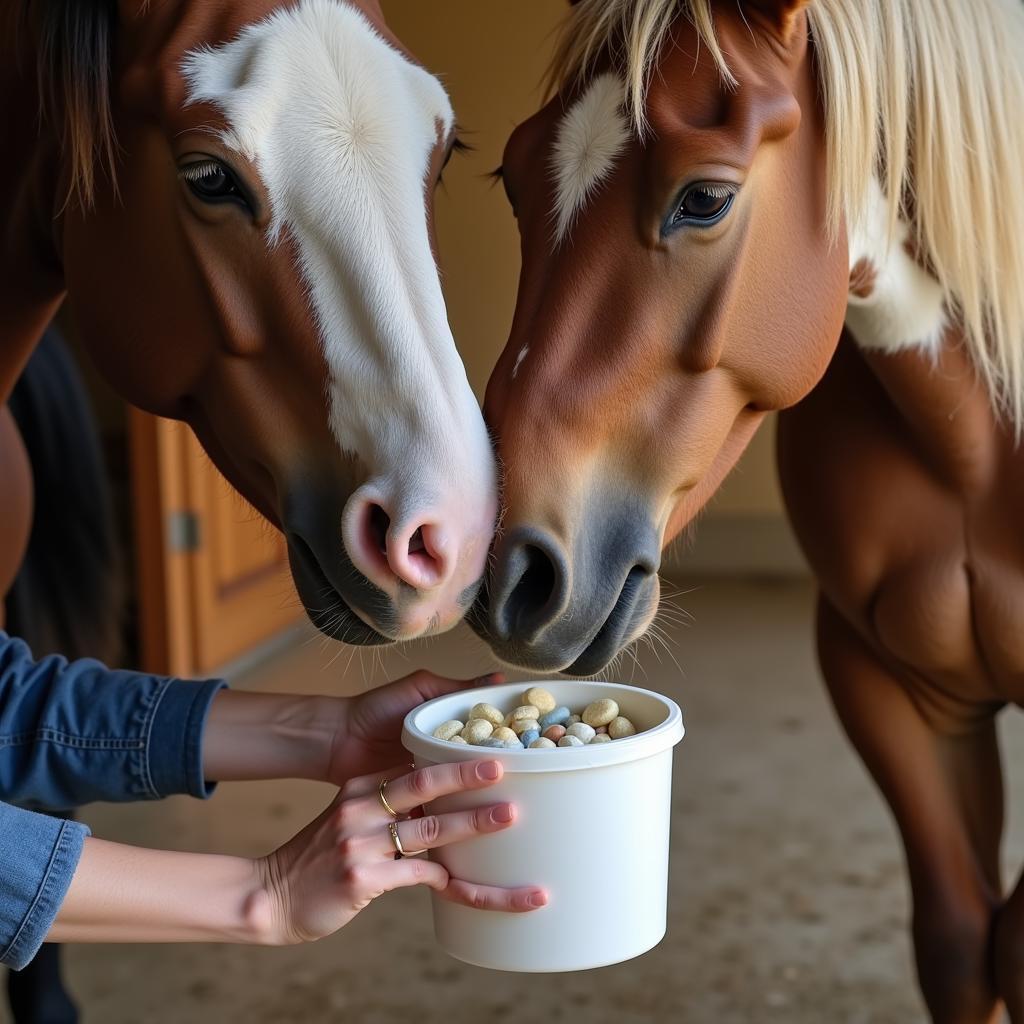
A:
{"points": [[811, 207], [236, 200]]}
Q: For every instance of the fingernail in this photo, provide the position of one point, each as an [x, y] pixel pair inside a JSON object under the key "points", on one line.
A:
{"points": [[492, 677], [488, 770], [538, 899], [501, 814]]}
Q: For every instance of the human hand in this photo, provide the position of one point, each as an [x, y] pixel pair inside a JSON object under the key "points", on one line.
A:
{"points": [[336, 866], [368, 732]]}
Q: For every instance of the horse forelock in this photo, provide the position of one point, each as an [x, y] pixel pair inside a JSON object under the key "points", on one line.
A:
{"points": [[73, 49]]}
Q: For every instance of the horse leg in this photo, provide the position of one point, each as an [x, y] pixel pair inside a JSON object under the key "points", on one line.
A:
{"points": [[945, 792], [1008, 953]]}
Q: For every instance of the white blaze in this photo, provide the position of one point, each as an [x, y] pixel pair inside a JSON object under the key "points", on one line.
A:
{"points": [[341, 127], [591, 135]]}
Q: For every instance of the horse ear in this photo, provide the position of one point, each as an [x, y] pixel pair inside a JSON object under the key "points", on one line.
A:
{"points": [[781, 14]]}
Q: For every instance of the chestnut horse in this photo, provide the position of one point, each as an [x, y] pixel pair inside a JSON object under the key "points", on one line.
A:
{"points": [[236, 198], [732, 208]]}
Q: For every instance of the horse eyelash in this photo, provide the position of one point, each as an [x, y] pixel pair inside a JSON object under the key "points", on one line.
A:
{"points": [[718, 189], [198, 170]]}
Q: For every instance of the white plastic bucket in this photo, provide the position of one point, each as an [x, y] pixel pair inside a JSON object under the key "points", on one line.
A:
{"points": [[592, 829]]}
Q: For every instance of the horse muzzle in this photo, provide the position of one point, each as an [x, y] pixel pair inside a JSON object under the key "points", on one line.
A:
{"points": [[552, 607], [373, 570]]}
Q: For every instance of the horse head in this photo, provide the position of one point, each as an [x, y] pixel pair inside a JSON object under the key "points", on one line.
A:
{"points": [[263, 267], [678, 282]]}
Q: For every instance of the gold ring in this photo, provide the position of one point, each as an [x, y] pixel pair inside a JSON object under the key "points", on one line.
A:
{"points": [[384, 800], [396, 841]]}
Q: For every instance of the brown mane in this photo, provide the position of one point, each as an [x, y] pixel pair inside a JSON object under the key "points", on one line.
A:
{"points": [[73, 49]]}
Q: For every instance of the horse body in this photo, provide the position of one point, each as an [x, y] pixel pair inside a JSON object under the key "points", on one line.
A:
{"points": [[907, 496], [677, 283], [237, 200]]}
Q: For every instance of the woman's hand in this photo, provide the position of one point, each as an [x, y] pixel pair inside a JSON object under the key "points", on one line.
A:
{"points": [[319, 880], [312, 886], [330, 739], [368, 730], [335, 867]]}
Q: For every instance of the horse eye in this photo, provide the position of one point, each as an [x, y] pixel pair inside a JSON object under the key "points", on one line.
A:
{"points": [[705, 203], [212, 182]]}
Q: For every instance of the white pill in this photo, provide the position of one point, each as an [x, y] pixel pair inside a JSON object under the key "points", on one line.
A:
{"points": [[599, 712], [524, 711], [540, 699], [572, 720], [620, 727], [488, 712], [601, 737], [446, 730], [521, 725], [502, 733], [477, 730], [583, 732], [570, 741], [457, 739], [540, 743]]}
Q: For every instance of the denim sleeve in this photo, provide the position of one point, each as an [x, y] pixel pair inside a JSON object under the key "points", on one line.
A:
{"points": [[74, 732], [38, 856]]}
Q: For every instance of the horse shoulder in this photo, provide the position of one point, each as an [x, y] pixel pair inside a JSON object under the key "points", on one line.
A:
{"points": [[883, 536], [910, 538]]}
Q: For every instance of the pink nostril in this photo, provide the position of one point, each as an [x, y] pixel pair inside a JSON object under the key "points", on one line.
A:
{"points": [[416, 555], [419, 557]]}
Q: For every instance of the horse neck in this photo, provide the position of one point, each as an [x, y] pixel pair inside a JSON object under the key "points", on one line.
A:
{"points": [[31, 283]]}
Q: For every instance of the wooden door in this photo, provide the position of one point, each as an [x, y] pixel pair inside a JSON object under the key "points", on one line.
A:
{"points": [[213, 578]]}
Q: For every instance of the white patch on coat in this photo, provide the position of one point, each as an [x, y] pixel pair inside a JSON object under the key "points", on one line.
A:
{"points": [[905, 308], [341, 127], [591, 135], [519, 360]]}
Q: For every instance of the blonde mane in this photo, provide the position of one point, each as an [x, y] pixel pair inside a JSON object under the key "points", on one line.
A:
{"points": [[927, 96]]}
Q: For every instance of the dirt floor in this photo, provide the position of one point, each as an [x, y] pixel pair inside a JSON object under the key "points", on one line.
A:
{"points": [[787, 894]]}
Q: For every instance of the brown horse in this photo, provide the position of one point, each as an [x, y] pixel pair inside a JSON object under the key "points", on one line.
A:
{"points": [[236, 199], [732, 208]]}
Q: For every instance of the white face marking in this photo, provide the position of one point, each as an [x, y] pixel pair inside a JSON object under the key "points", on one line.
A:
{"points": [[905, 307], [519, 360], [591, 135], [340, 127]]}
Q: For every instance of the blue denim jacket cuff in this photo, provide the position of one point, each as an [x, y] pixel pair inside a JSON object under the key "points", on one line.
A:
{"points": [[55, 846], [176, 738]]}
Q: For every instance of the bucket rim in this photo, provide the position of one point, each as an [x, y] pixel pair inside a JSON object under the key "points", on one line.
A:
{"points": [[663, 736]]}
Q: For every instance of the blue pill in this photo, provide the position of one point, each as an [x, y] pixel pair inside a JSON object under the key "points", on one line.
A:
{"points": [[557, 717], [491, 742], [529, 736]]}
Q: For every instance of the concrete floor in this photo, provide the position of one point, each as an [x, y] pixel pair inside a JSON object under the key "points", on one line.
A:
{"points": [[787, 894]]}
